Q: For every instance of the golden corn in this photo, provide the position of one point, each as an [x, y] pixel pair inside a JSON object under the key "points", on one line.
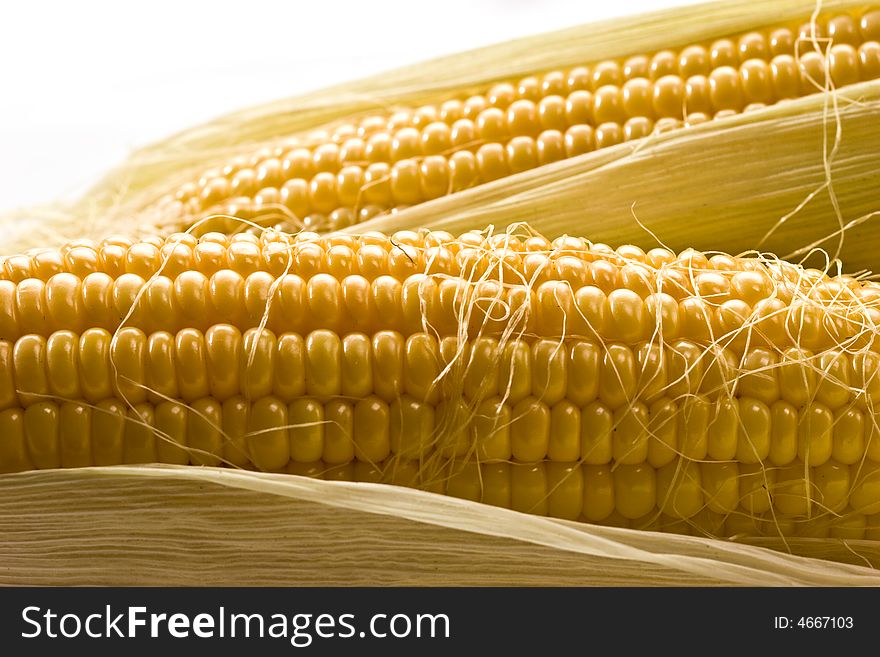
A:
{"points": [[684, 392], [354, 171]]}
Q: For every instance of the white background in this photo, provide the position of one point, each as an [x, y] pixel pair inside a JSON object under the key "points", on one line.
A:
{"points": [[84, 82]]}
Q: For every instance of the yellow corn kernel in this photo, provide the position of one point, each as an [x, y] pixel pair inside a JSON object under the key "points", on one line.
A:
{"points": [[108, 432], [41, 434], [784, 433], [464, 481], [630, 435], [139, 440], [721, 486], [528, 488], [530, 430], [234, 427], [815, 442], [565, 490], [680, 489], [305, 429], [635, 490], [565, 432], [171, 432], [411, 427], [74, 434], [14, 454], [753, 439], [597, 426], [257, 364], [491, 427], [223, 344], [268, 442], [372, 430], [338, 432], [723, 430], [204, 438]]}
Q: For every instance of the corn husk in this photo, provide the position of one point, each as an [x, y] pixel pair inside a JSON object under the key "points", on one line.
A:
{"points": [[785, 179], [207, 526]]}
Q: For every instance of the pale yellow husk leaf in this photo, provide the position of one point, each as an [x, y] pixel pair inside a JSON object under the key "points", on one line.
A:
{"points": [[173, 525]]}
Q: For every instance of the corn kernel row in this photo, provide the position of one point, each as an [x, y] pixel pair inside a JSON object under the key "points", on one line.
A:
{"points": [[400, 254], [49, 435], [226, 359], [771, 330], [526, 401]]}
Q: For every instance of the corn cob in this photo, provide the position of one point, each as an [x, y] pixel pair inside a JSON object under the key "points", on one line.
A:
{"points": [[691, 392], [354, 171]]}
